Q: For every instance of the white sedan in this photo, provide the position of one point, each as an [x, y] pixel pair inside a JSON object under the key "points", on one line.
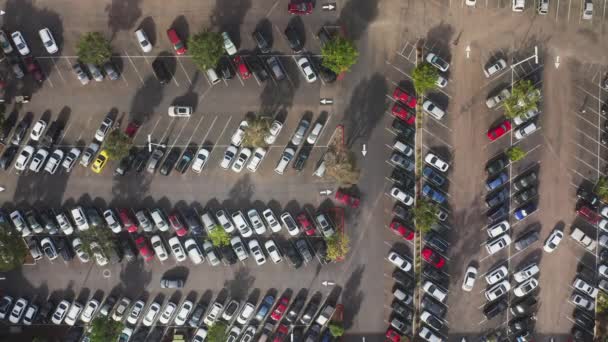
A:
{"points": [[496, 275], [229, 155], [498, 290], [469, 278], [498, 229], [24, 158], [525, 287], [399, 261], [38, 129], [177, 249], [19, 41], [401, 196], [200, 160], [241, 160], [306, 69], [436, 162], [180, 111], [273, 132], [237, 137], [553, 241]]}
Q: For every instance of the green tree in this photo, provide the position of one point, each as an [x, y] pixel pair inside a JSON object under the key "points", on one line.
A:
{"points": [[337, 246], [93, 48], [601, 188], [339, 54], [404, 339], [524, 97], [102, 235], [425, 214], [336, 329], [117, 144], [206, 49], [217, 332], [340, 165], [12, 249], [602, 303], [256, 131], [219, 237], [424, 77], [104, 329], [515, 153]]}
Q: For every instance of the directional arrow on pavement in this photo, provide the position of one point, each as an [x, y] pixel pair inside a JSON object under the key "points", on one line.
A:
{"points": [[325, 192], [328, 283], [364, 150], [330, 6], [556, 62], [325, 101], [468, 51]]}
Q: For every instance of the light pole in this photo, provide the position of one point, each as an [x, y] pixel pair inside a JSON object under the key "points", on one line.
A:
{"points": [[150, 143]]}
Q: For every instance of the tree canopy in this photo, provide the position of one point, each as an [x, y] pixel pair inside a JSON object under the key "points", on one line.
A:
{"points": [[515, 153], [217, 332], [256, 131], [339, 54], [425, 214], [117, 144], [424, 77], [219, 237], [104, 329], [524, 97], [93, 48], [206, 49], [12, 249], [340, 165], [337, 246]]}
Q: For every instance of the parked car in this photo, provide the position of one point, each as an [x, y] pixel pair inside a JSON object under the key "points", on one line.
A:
{"points": [[495, 67], [437, 62], [526, 240]]}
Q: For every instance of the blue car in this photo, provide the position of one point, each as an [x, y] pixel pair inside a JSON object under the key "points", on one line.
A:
{"points": [[429, 192], [497, 182], [433, 176], [264, 308], [523, 212]]}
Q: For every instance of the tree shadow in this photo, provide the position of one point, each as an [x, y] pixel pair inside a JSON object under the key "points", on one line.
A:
{"points": [[180, 24], [146, 99], [134, 276], [242, 191], [228, 15], [122, 15], [275, 100], [441, 35], [148, 25], [366, 109], [239, 286], [356, 15]]}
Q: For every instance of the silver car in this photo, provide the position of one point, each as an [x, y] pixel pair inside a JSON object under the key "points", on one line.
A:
{"points": [[300, 132]]}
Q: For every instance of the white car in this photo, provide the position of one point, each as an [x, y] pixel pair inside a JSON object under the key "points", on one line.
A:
{"points": [[213, 314], [520, 119], [495, 100], [112, 221], [246, 312], [60, 312], [30, 314], [271, 220], [48, 41], [525, 131], [54, 161], [19, 223], [39, 160], [496, 275], [434, 291], [495, 67], [200, 160], [239, 248], [210, 253], [275, 129], [470, 3], [24, 158], [241, 224], [177, 249], [307, 71], [241, 160], [6, 45], [525, 287], [441, 82], [80, 253], [402, 197], [314, 133], [89, 311], [525, 273], [256, 251], [73, 313], [224, 221], [201, 335], [426, 334], [237, 137], [194, 252], [143, 41], [20, 43], [436, 162], [273, 251], [399, 261], [258, 155], [324, 226], [291, 226], [584, 287], [228, 44], [603, 225], [89, 154], [64, 223], [151, 314], [70, 159], [256, 221], [588, 10], [17, 311], [103, 129], [167, 314], [498, 243], [498, 290], [437, 62], [498, 229], [583, 302], [519, 5], [37, 130], [469, 279], [121, 309], [159, 248], [100, 258], [180, 111], [79, 218], [433, 110], [183, 313], [603, 270], [229, 155]]}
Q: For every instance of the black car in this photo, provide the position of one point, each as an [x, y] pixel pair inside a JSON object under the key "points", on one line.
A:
{"points": [[293, 258], [579, 335], [294, 309], [46, 311], [401, 212], [192, 222], [52, 134], [525, 195], [433, 240], [49, 222], [432, 306], [186, 159], [518, 325], [126, 163], [20, 132], [302, 157], [496, 165], [588, 196], [225, 69], [495, 308], [525, 181], [197, 315], [257, 68], [141, 159], [526, 240], [228, 255], [403, 130], [497, 198], [170, 161], [128, 250], [33, 221], [434, 274], [320, 247], [161, 71], [324, 36], [8, 156], [261, 41], [304, 250], [403, 178], [309, 312], [498, 213], [93, 216], [402, 278], [523, 307], [582, 319], [402, 310], [326, 74], [293, 38], [64, 248]]}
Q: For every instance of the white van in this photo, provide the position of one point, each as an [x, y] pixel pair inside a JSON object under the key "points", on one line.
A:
{"points": [[543, 7], [208, 222], [212, 75]]}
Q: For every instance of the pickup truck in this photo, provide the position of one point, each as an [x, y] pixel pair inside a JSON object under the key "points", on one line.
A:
{"points": [[325, 315], [583, 239]]}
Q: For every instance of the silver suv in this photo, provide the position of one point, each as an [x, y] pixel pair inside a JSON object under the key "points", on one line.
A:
{"points": [[300, 132]]}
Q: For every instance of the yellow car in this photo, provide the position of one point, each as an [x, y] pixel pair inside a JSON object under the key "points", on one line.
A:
{"points": [[100, 161]]}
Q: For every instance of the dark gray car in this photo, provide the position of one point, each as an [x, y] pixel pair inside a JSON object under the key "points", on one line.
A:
{"points": [[526, 240], [276, 68], [304, 250]]}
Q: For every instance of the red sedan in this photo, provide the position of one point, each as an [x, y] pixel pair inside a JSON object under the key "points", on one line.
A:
{"points": [[279, 311], [347, 199], [392, 335], [127, 223], [32, 66], [305, 224], [588, 214], [300, 7], [404, 97], [500, 130], [241, 67], [131, 129], [401, 230], [177, 225], [178, 44], [144, 249], [403, 114], [281, 333], [433, 257]]}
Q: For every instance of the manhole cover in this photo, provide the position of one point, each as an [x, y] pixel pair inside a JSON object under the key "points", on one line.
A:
{"points": [[106, 273]]}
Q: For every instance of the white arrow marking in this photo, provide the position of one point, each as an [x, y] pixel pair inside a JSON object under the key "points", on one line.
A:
{"points": [[468, 51], [325, 192], [2, 12], [328, 283], [364, 150], [556, 62]]}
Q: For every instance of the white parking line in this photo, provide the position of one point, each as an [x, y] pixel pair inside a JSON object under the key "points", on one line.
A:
{"points": [[272, 8], [236, 71], [572, 141], [180, 132], [584, 162], [436, 137], [583, 176], [586, 135], [167, 130], [58, 71], [136, 71], [184, 70], [195, 129], [65, 131]]}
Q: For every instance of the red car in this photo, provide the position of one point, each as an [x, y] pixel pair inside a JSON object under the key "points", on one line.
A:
{"points": [[281, 333], [126, 221], [404, 97], [403, 114], [500, 130], [279, 311], [348, 200], [132, 129], [177, 225], [33, 68], [401, 230], [300, 7], [433, 257], [241, 67], [306, 225], [144, 249], [177, 43], [392, 335], [588, 214]]}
